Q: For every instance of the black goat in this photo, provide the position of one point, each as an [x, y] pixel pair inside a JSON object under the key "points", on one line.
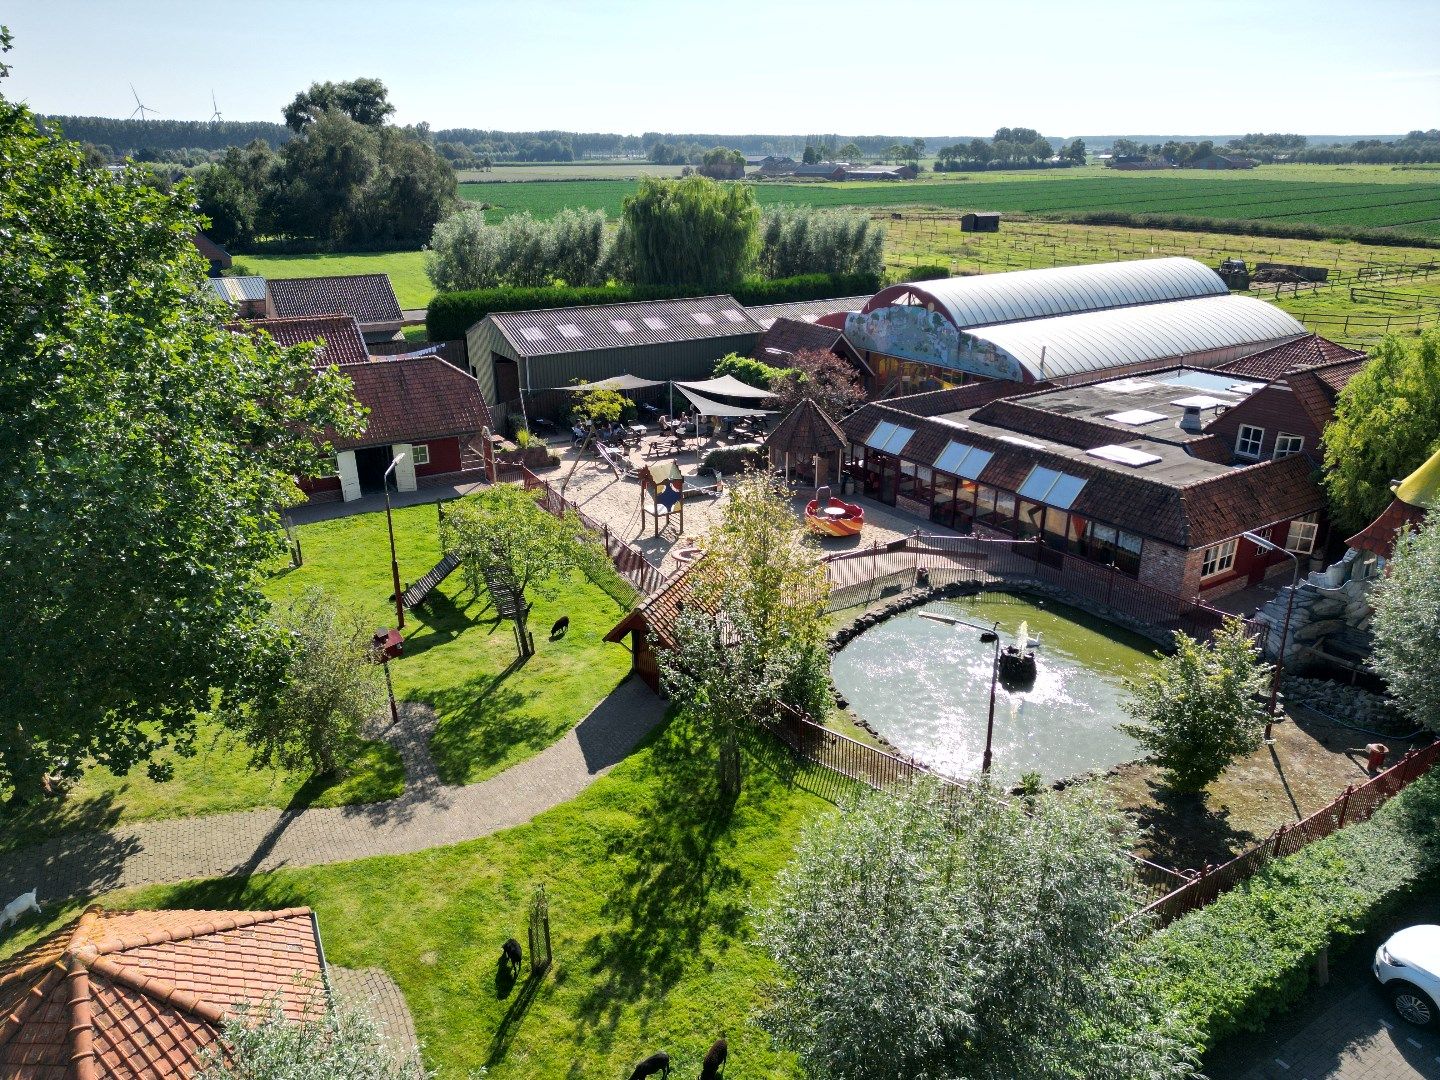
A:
{"points": [[654, 1064], [511, 955], [715, 1059], [561, 625]]}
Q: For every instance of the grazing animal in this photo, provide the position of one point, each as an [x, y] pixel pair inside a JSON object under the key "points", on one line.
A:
{"points": [[17, 907], [511, 954], [654, 1064], [715, 1059], [561, 625]]}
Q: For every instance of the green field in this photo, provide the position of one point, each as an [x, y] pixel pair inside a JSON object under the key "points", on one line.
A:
{"points": [[406, 270], [1406, 207]]}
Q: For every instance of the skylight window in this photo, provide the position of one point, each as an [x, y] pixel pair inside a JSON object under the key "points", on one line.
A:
{"points": [[961, 460], [1015, 440], [622, 326], [656, 324], [702, 318], [1128, 386], [1203, 401], [1136, 417], [1124, 455], [1052, 488], [731, 315], [889, 438], [569, 330], [531, 333]]}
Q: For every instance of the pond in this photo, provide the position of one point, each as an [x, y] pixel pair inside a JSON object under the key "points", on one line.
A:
{"points": [[924, 685]]}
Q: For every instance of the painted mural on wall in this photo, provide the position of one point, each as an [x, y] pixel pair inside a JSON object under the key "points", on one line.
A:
{"points": [[916, 333]]}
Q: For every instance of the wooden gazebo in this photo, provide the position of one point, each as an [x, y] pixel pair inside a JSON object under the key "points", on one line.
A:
{"points": [[809, 442]]}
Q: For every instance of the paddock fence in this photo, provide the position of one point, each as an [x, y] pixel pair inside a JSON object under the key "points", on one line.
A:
{"points": [[1356, 804], [629, 563]]}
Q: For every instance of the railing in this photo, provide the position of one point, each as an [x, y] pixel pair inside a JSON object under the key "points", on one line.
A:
{"points": [[1356, 804], [976, 560], [628, 562]]}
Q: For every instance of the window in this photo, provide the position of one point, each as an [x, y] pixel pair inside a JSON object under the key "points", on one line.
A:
{"points": [[702, 319], [1051, 487], [958, 459], [1217, 559], [622, 326], [891, 438], [1301, 537], [1287, 444], [420, 453], [532, 333], [656, 324], [1248, 441], [569, 330]]}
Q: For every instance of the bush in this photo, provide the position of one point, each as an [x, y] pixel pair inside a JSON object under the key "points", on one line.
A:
{"points": [[452, 313], [733, 460], [929, 272], [1248, 955]]}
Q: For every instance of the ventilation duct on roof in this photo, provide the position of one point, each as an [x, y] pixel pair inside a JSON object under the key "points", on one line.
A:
{"points": [[1190, 421]]}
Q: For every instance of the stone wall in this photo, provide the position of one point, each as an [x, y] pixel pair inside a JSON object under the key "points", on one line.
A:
{"points": [[1331, 608]]}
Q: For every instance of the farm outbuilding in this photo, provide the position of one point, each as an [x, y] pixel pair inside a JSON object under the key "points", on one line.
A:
{"points": [[980, 222], [662, 340]]}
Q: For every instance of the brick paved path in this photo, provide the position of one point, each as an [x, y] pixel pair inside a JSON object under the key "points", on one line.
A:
{"points": [[376, 993], [428, 815]]}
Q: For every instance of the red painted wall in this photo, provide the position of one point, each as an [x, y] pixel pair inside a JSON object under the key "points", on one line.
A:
{"points": [[1275, 409], [444, 457]]}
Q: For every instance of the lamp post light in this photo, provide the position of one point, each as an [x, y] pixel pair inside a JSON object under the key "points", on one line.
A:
{"points": [[394, 562], [1267, 544], [989, 635]]}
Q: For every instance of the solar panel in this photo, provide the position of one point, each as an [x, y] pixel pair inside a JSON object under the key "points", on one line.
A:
{"points": [[656, 324], [569, 330], [1136, 417], [532, 334], [1124, 455], [702, 318], [622, 326]]}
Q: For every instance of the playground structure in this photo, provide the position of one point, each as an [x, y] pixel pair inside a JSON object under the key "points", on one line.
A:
{"points": [[830, 516], [663, 491]]}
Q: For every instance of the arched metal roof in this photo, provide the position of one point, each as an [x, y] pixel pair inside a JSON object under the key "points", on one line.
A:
{"points": [[1101, 340], [987, 299]]}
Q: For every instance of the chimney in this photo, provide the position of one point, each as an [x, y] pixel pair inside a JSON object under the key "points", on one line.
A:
{"points": [[1191, 420]]}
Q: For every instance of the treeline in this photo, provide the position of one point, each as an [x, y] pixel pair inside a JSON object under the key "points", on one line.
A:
{"points": [[1011, 148], [1414, 148], [125, 137]]}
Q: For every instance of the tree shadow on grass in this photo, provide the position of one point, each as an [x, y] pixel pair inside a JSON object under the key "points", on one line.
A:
{"points": [[675, 884], [23, 824], [262, 893], [481, 722], [1183, 833], [444, 620]]}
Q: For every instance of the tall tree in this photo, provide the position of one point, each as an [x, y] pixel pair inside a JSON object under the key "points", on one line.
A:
{"points": [[822, 377], [692, 231], [1202, 709], [967, 937], [1407, 623], [1386, 423], [144, 454], [366, 101]]}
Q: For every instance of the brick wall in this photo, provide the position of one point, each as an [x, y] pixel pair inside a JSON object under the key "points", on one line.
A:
{"points": [[1171, 569], [1274, 409]]}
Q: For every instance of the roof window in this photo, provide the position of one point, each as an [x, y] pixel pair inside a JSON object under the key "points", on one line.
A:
{"points": [[889, 438], [961, 460], [1052, 488], [1136, 417], [1124, 455], [531, 333], [656, 324]]}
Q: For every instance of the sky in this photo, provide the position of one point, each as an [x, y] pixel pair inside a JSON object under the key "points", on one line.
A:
{"points": [[891, 67]]}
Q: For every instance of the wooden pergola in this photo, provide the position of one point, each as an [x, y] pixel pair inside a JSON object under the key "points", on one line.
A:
{"points": [[808, 439]]}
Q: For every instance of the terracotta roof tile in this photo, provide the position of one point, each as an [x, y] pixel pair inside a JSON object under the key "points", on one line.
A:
{"points": [[139, 995], [1304, 352], [413, 398], [1318, 388], [370, 298], [806, 430], [785, 337], [339, 335]]}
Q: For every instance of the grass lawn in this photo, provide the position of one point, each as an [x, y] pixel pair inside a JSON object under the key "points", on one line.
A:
{"points": [[457, 657], [406, 269], [651, 875]]}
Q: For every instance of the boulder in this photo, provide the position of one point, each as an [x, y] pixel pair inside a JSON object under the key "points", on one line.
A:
{"points": [[1317, 630]]}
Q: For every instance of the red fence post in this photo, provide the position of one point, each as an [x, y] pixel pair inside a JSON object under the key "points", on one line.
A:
{"points": [[1279, 836], [1345, 804]]}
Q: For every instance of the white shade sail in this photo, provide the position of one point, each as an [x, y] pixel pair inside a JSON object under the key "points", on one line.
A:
{"points": [[618, 382], [726, 386], [708, 407]]}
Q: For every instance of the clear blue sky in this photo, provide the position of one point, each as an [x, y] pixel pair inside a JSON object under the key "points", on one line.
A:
{"points": [[941, 67]]}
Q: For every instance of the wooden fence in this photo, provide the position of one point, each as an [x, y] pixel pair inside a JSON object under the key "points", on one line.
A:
{"points": [[1354, 805], [628, 562]]}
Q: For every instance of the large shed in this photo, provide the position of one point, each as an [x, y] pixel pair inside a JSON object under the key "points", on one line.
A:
{"points": [[980, 221], [551, 348]]}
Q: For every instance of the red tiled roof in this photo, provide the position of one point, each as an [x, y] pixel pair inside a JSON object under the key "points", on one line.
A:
{"points": [[141, 994], [1241, 499], [659, 614], [209, 250], [1379, 536], [412, 398], [1318, 388], [339, 335], [1073, 431], [969, 396], [1310, 351], [368, 297], [793, 336]]}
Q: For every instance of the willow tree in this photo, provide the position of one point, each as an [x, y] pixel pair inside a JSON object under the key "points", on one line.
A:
{"points": [[692, 231]]}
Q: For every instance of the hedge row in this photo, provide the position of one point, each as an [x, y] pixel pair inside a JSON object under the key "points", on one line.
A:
{"points": [[451, 314], [1290, 230], [1248, 955]]}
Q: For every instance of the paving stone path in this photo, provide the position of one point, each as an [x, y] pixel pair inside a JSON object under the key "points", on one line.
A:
{"points": [[428, 815], [376, 993]]}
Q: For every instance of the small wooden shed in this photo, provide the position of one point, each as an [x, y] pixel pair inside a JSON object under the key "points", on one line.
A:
{"points": [[808, 442], [988, 221]]}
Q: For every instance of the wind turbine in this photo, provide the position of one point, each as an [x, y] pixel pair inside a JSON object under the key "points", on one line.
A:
{"points": [[215, 116], [140, 109]]}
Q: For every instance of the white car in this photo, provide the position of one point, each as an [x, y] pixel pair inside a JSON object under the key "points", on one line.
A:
{"points": [[1408, 967]]}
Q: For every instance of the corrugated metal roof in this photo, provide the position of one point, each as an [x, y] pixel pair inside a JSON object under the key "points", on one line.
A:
{"points": [[235, 290], [553, 331], [987, 299], [804, 310], [1099, 340]]}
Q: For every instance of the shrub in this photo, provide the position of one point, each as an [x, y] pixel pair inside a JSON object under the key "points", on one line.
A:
{"points": [[928, 272], [1247, 956], [747, 369], [733, 460], [452, 313]]}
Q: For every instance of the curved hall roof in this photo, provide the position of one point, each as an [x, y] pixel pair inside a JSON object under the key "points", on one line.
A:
{"points": [[1101, 340], [988, 299]]}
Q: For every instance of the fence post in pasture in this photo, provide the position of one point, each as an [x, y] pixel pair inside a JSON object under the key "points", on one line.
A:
{"points": [[1279, 836], [1344, 805]]}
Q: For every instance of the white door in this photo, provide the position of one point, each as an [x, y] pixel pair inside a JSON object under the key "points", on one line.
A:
{"points": [[405, 471], [349, 475]]}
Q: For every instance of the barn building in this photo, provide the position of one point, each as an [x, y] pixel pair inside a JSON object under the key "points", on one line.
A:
{"points": [[980, 221], [1030, 326], [370, 298]]}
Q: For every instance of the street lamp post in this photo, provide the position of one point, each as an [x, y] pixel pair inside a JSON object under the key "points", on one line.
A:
{"points": [[1269, 545], [988, 635], [394, 562]]}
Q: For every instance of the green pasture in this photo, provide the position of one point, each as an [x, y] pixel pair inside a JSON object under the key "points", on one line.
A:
{"points": [[406, 270]]}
